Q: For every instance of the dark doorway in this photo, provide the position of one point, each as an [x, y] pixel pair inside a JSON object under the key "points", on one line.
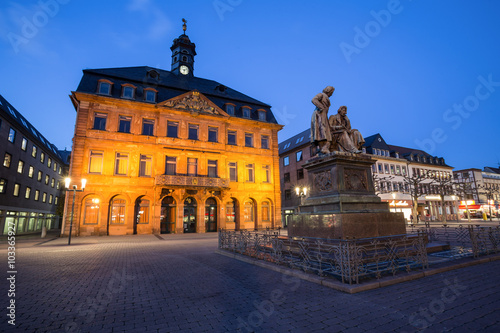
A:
{"points": [[211, 215], [189, 215], [167, 218]]}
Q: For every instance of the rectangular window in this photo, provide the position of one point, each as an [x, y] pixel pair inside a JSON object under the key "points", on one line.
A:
{"points": [[298, 155], [150, 96], [266, 170], [12, 135], [230, 109], [386, 167], [248, 140], [246, 112], [95, 161], [193, 132], [104, 88], [37, 195], [398, 170], [262, 115], [374, 168], [20, 166], [128, 92], [393, 171], [3, 185], [145, 166], [286, 160], [33, 151], [403, 170], [124, 124], [170, 165], [264, 142], [42, 157], [17, 188], [44, 197], [286, 177], [172, 129], [47, 179], [121, 164], [213, 134], [49, 162], [212, 168], [380, 168], [24, 144], [231, 138], [288, 194], [27, 194], [250, 173], [233, 171], [100, 121], [300, 174], [7, 159], [55, 166], [192, 167], [52, 182], [51, 197], [148, 126], [39, 177]]}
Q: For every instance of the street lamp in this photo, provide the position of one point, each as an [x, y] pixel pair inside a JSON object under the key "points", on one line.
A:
{"points": [[75, 189]]}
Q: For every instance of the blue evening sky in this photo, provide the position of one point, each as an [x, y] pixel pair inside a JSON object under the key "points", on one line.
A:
{"points": [[424, 74]]}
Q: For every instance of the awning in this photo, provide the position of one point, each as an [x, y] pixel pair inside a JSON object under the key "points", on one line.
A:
{"points": [[469, 207]]}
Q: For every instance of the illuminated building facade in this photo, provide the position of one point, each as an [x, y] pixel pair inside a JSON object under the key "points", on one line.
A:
{"points": [[31, 186], [168, 152]]}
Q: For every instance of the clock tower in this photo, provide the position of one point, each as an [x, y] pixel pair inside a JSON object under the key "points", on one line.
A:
{"points": [[183, 52]]}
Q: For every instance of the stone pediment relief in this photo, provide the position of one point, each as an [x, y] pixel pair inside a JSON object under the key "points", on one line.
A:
{"points": [[193, 101]]}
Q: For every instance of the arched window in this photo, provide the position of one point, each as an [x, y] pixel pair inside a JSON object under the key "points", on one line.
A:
{"points": [[249, 211], [118, 211], [142, 211], [91, 211], [266, 211]]}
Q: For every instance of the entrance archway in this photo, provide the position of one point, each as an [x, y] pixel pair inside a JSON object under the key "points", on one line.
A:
{"points": [[189, 220], [167, 218], [141, 212], [211, 215]]}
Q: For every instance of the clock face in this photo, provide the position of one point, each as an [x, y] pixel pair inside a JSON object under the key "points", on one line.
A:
{"points": [[184, 70]]}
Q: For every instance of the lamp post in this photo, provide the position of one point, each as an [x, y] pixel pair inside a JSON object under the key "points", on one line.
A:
{"points": [[301, 193], [75, 189]]}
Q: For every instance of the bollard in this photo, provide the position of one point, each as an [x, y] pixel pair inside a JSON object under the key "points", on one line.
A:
{"points": [[44, 231]]}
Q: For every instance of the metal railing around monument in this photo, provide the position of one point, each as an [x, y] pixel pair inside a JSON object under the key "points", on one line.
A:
{"points": [[348, 260]]}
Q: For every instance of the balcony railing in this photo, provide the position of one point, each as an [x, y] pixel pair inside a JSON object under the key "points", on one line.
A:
{"points": [[192, 181]]}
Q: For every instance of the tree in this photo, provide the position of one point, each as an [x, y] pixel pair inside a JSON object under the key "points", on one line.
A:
{"points": [[416, 181], [490, 192], [442, 186], [464, 190]]}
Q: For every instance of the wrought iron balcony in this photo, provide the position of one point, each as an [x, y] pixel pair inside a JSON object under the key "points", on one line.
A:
{"points": [[191, 181]]}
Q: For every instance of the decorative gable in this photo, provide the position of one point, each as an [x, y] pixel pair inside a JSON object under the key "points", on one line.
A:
{"points": [[193, 101]]}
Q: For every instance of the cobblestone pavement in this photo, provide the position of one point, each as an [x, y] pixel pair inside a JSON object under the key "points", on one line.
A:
{"points": [[143, 283]]}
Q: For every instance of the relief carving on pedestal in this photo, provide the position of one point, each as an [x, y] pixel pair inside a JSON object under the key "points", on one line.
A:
{"points": [[323, 181], [355, 180]]}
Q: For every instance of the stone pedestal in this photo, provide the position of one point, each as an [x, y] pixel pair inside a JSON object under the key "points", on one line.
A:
{"points": [[342, 202]]}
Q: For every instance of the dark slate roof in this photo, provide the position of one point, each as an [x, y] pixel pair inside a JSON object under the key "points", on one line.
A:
{"points": [[36, 136], [295, 141], [492, 169], [170, 85]]}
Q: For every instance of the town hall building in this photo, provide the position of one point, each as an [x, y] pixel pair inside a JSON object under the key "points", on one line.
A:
{"points": [[168, 152]]}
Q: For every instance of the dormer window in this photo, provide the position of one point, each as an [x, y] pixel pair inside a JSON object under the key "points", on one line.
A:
{"points": [[150, 95], [262, 115], [104, 87], [230, 109], [128, 91], [246, 112], [396, 154], [153, 74]]}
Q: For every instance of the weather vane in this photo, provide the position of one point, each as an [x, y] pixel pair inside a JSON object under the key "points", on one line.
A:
{"points": [[184, 26]]}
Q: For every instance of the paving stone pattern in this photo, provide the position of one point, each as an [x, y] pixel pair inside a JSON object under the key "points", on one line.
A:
{"points": [[144, 284]]}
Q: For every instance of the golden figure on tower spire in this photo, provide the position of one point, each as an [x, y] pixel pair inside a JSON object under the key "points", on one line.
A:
{"points": [[184, 26]]}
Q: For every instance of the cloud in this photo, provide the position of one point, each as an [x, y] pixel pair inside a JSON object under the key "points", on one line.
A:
{"points": [[159, 24]]}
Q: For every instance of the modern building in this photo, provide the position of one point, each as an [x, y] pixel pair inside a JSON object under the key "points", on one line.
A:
{"points": [[393, 164], [168, 152], [481, 190], [31, 186]]}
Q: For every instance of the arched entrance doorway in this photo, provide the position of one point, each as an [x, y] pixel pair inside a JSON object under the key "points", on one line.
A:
{"points": [[211, 215], [189, 215], [167, 217], [141, 212]]}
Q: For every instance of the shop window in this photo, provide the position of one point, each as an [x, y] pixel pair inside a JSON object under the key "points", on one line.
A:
{"points": [[266, 208], [142, 211], [118, 211], [91, 212]]}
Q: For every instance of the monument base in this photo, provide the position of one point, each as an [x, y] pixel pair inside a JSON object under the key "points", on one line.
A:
{"points": [[347, 225]]}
